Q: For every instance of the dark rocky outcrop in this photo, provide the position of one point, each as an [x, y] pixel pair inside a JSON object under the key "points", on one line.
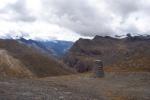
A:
{"points": [[127, 54]]}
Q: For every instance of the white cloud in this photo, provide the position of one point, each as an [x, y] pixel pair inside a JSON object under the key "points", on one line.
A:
{"points": [[71, 19], [37, 30]]}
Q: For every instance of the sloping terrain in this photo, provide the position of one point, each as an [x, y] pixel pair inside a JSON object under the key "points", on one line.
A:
{"points": [[25, 57], [55, 48], [127, 54], [11, 67]]}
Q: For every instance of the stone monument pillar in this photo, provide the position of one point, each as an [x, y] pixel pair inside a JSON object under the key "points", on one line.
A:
{"points": [[98, 68]]}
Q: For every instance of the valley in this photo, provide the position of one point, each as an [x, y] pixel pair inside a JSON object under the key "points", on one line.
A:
{"points": [[17, 57], [74, 50], [29, 71]]}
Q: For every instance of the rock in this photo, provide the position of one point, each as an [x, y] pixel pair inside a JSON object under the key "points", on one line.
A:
{"points": [[116, 54], [98, 68]]}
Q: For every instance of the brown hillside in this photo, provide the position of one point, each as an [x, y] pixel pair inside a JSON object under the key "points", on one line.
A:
{"points": [[11, 67], [39, 64], [128, 54]]}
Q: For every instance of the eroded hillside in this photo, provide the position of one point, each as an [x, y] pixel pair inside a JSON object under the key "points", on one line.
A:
{"points": [[127, 54], [12, 67], [19, 59]]}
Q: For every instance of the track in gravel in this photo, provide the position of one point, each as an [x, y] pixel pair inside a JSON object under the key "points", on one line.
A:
{"points": [[115, 86]]}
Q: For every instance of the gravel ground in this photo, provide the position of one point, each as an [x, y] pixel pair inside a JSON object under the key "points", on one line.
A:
{"points": [[114, 86]]}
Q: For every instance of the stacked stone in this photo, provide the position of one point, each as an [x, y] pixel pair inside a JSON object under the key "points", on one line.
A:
{"points": [[98, 68]]}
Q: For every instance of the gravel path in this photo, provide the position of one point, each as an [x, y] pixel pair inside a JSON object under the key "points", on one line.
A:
{"points": [[115, 86]]}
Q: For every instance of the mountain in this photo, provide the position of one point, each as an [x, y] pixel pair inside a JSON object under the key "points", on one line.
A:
{"points": [[12, 67], [18, 60], [131, 53], [54, 48]]}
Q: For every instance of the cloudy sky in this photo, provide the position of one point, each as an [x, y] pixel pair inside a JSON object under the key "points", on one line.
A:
{"points": [[72, 19]]}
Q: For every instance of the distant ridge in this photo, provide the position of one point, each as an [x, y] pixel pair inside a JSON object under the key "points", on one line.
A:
{"points": [[131, 53], [18, 59], [54, 48]]}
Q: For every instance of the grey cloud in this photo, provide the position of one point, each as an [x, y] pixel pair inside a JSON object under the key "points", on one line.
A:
{"points": [[85, 18], [124, 7], [80, 16], [23, 14], [19, 12]]}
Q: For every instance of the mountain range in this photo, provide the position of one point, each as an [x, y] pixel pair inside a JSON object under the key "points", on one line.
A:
{"points": [[131, 53], [56, 48], [20, 60], [31, 58]]}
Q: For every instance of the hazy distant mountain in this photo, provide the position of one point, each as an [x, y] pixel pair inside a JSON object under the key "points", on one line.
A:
{"points": [[55, 48], [19, 60], [127, 54]]}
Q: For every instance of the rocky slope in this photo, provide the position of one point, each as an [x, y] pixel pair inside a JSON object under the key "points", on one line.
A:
{"points": [[55, 48], [10, 66], [17, 60], [127, 54]]}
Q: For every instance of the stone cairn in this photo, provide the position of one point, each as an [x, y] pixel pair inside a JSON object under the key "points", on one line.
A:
{"points": [[98, 68]]}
